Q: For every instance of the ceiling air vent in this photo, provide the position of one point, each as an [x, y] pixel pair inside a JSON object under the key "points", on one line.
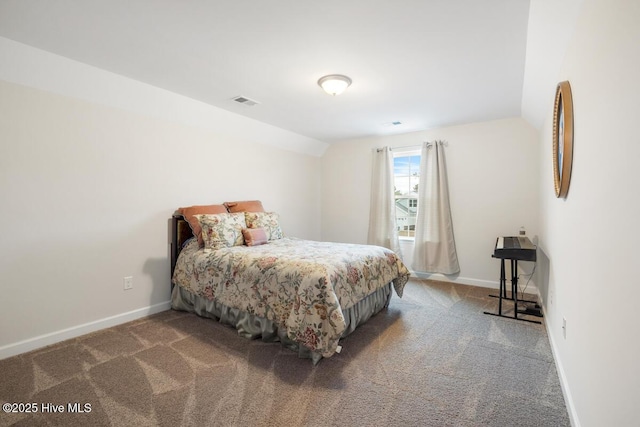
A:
{"points": [[245, 101]]}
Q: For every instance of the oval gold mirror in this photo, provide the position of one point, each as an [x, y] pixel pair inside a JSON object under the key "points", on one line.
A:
{"points": [[562, 139]]}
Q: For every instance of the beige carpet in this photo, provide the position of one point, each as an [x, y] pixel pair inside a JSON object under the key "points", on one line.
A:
{"points": [[431, 359]]}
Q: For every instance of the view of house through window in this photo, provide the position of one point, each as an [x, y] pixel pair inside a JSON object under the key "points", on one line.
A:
{"points": [[406, 171]]}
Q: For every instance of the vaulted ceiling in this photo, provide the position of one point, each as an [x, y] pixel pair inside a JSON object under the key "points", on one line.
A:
{"points": [[423, 63]]}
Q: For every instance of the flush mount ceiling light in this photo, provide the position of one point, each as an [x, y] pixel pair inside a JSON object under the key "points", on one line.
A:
{"points": [[334, 84]]}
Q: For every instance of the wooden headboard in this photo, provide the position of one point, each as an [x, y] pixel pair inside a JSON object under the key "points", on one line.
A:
{"points": [[180, 233]]}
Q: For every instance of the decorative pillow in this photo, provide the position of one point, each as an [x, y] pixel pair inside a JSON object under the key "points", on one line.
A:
{"points": [[222, 230], [266, 220], [190, 212], [245, 206], [254, 236]]}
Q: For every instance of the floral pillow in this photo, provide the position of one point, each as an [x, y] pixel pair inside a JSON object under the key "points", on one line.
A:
{"points": [[189, 214], [222, 230], [266, 220]]}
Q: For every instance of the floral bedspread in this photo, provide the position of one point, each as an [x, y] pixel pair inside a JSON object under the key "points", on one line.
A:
{"points": [[301, 285]]}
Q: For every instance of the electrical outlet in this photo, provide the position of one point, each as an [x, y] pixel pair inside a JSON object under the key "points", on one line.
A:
{"points": [[564, 328], [128, 283]]}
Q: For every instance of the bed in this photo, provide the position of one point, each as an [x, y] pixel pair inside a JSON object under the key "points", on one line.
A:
{"points": [[307, 295]]}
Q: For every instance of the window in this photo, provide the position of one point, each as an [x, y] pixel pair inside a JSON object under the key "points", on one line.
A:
{"points": [[406, 172]]}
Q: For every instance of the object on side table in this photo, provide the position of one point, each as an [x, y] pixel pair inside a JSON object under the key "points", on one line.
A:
{"points": [[513, 249]]}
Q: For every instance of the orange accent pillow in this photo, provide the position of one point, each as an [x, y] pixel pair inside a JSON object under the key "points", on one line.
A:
{"points": [[245, 206], [254, 236], [189, 214]]}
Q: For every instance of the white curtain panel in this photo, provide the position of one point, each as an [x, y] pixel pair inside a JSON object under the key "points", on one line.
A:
{"points": [[382, 217], [434, 248]]}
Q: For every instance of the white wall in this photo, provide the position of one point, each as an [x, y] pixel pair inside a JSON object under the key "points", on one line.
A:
{"points": [[546, 47], [87, 190], [590, 239], [493, 184], [39, 69]]}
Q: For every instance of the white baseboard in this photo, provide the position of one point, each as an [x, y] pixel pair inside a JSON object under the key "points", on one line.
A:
{"points": [[76, 331], [531, 287], [564, 385]]}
